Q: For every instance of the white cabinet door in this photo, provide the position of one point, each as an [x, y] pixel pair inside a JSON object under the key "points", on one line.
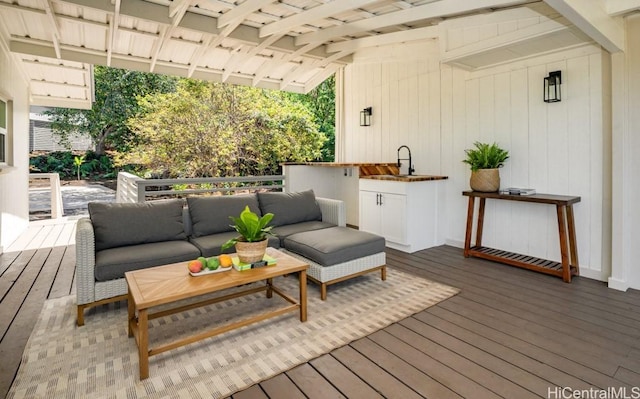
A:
{"points": [[384, 214], [370, 218], [394, 217]]}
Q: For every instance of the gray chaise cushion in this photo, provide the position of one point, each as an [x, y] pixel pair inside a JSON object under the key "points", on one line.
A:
{"points": [[285, 231], [114, 262], [118, 225], [334, 245], [210, 245], [289, 208], [210, 215]]}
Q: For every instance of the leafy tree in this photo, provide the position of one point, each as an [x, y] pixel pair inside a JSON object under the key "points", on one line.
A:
{"points": [[116, 92], [321, 101], [214, 129]]}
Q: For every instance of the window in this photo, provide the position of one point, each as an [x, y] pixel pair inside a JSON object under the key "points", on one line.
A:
{"points": [[3, 131]]}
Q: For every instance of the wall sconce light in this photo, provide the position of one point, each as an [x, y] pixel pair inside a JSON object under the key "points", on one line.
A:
{"points": [[552, 87], [365, 117]]}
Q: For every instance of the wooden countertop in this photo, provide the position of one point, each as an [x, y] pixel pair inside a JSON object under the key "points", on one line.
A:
{"points": [[342, 164], [364, 168], [405, 178]]}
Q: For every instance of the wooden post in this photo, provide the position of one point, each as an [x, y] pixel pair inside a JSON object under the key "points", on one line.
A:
{"points": [[56, 196]]}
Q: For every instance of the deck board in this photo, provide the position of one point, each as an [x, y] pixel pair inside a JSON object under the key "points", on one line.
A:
{"points": [[311, 382], [344, 379], [509, 333]]}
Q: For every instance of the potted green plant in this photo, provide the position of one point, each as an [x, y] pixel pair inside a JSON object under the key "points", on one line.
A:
{"points": [[251, 244], [485, 160]]}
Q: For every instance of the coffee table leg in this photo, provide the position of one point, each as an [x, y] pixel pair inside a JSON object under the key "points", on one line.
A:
{"points": [[132, 314], [303, 295], [269, 288], [143, 343]]}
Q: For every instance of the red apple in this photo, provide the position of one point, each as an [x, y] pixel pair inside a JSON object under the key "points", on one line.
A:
{"points": [[195, 266]]}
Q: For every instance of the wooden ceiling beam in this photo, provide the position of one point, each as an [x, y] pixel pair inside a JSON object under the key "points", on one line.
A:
{"points": [[312, 15], [113, 30], [427, 11], [592, 19], [621, 7], [239, 13], [148, 11], [429, 32]]}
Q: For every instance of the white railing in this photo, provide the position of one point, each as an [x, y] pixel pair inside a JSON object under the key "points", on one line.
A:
{"points": [[132, 188], [56, 193]]}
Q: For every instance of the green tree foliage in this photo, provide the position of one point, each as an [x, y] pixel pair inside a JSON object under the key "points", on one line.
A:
{"points": [[212, 129], [69, 164], [321, 101], [116, 92]]}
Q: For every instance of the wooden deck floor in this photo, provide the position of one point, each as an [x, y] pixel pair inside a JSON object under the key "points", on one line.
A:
{"points": [[510, 333]]}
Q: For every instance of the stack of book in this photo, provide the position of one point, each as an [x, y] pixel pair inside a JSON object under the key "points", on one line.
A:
{"points": [[518, 191], [266, 261]]}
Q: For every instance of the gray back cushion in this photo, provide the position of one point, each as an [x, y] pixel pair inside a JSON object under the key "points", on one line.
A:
{"points": [[289, 208], [117, 225], [210, 215]]}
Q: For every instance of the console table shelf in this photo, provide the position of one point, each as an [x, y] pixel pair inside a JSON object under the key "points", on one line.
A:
{"points": [[566, 229]]}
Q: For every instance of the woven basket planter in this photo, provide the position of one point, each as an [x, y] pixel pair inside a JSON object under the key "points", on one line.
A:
{"points": [[485, 180], [249, 252]]}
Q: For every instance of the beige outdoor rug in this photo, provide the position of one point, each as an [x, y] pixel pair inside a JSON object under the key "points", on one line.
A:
{"points": [[100, 361]]}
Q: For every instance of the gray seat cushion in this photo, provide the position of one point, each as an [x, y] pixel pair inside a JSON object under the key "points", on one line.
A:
{"points": [[112, 263], [334, 245], [118, 225], [210, 215], [210, 245], [290, 208], [285, 231]]}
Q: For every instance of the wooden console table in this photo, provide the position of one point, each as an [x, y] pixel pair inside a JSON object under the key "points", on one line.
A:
{"points": [[566, 229]]}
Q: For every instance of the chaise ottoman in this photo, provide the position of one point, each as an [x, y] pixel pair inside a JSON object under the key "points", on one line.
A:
{"points": [[338, 253]]}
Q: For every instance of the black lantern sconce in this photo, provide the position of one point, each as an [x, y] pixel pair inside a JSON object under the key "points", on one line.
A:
{"points": [[552, 87], [365, 117]]}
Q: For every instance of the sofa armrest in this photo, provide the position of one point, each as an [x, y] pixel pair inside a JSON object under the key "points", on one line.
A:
{"points": [[333, 211], [85, 261]]}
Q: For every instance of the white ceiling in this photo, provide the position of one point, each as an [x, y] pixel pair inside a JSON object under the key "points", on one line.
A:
{"points": [[286, 44]]}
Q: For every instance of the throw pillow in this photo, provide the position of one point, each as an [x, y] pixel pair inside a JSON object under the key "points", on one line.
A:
{"points": [[117, 225]]}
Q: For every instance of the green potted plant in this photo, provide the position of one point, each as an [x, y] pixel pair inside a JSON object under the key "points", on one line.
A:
{"points": [[485, 160], [251, 244]]}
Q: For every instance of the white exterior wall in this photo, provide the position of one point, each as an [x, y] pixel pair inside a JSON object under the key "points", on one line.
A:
{"points": [[439, 111], [630, 190], [14, 180]]}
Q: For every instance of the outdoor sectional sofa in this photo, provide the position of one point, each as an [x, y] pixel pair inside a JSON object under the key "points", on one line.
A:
{"points": [[119, 237]]}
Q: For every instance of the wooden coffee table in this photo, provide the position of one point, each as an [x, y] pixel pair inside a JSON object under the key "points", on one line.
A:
{"points": [[167, 284]]}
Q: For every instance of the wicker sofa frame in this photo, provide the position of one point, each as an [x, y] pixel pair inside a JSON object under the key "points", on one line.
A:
{"points": [[91, 293]]}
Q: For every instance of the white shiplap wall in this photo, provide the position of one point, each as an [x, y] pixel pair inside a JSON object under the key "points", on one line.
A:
{"points": [[439, 111], [14, 180]]}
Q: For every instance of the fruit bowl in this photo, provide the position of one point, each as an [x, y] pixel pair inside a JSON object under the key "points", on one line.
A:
{"points": [[208, 271]]}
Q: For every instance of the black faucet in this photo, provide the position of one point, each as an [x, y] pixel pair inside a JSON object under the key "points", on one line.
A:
{"points": [[410, 169]]}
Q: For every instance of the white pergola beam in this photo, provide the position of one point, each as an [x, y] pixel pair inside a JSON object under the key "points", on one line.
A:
{"points": [[78, 54], [320, 77], [621, 7], [239, 13], [431, 10], [592, 18], [178, 7], [48, 8], [157, 13], [429, 32], [113, 30], [311, 15], [63, 102]]}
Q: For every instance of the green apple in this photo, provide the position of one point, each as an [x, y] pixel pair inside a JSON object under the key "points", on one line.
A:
{"points": [[203, 260], [213, 263]]}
